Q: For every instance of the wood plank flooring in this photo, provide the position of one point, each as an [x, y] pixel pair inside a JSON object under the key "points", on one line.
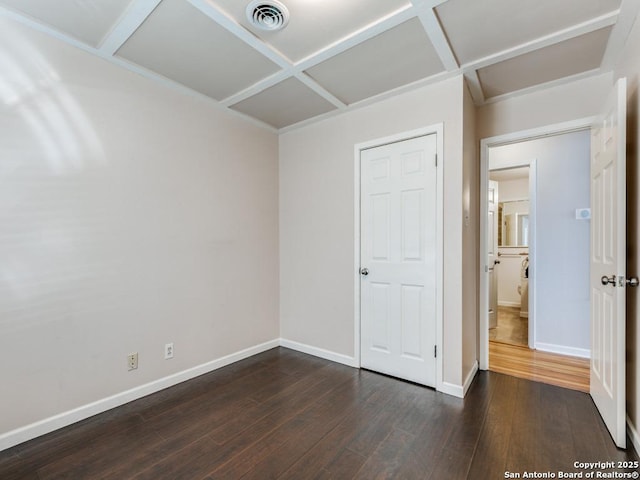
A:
{"points": [[510, 327], [286, 415], [522, 362]]}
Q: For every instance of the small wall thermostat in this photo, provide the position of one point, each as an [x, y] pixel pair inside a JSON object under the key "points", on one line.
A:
{"points": [[583, 213]]}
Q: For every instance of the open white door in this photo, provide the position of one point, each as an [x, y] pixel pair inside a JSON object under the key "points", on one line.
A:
{"points": [[608, 250], [492, 254]]}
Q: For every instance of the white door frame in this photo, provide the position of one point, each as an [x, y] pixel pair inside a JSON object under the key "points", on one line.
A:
{"points": [[486, 143], [438, 130]]}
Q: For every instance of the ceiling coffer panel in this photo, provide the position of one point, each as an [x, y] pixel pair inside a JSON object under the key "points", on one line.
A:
{"points": [[477, 29], [181, 43], [316, 24], [571, 57], [397, 57], [284, 104], [87, 21]]}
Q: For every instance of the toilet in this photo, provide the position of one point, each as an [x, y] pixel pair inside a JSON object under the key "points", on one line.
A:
{"points": [[523, 288]]}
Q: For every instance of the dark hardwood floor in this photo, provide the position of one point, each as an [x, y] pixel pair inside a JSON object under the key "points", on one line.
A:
{"points": [[286, 415]]}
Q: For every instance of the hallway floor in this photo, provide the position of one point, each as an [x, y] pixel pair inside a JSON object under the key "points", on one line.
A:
{"points": [[512, 328]]}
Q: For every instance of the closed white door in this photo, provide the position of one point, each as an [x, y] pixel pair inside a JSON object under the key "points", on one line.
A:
{"points": [[492, 254], [398, 259], [608, 250]]}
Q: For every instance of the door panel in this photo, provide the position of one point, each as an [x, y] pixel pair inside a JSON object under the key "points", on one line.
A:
{"points": [[398, 248], [608, 263]]}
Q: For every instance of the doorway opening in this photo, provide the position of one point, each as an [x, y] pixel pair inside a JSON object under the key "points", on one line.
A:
{"points": [[535, 293], [511, 224]]}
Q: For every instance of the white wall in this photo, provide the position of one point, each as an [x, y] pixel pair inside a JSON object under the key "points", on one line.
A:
{"points": [[562, 242], [317, 218], [471, 240], [512, 190], [130, 216]]}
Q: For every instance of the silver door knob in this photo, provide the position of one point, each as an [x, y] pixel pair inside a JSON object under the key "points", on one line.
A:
{"points": [[608, 280], [364, 271], [632, 282]]}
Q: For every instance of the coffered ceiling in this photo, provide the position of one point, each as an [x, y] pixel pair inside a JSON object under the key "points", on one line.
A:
{"points": [[338, 54]]}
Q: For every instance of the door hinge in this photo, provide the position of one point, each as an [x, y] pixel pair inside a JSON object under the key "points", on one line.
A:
{"points": [[435, 351], [436, 155]]}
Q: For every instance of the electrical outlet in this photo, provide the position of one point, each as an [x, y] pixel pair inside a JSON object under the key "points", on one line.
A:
{"points": [[168, 351], [132, 361]]}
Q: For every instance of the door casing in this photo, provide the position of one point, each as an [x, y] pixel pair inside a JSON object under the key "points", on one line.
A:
{"points": [[554, 129], [438, 130]]}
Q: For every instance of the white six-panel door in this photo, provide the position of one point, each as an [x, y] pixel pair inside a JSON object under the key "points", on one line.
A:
{"points": [[608, 251], [398, 259]]}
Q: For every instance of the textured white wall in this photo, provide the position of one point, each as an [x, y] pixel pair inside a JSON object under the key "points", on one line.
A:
{"points": [[317, 218], [562, 242], [130, 216]]}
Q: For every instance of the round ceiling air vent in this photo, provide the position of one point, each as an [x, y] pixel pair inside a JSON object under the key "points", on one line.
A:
{"points": [[267, 15]]}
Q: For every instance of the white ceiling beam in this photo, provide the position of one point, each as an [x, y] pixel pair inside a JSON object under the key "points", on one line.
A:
{"points": [[257, 87], [475, 87], [618, 38], [390, 21], [135, 16], [316, 87], [438, 39], [589, 26]]}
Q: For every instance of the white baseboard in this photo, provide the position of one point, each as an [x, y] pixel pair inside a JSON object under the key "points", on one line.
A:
{"points": [[564, 350], [459, 390], [320, 352], [451, 389], [64, 419], [633, 434], [470, 376]]}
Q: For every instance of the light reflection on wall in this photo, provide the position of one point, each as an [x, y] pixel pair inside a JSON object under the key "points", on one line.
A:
{"points": [[31, 87], [50, 215]]}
